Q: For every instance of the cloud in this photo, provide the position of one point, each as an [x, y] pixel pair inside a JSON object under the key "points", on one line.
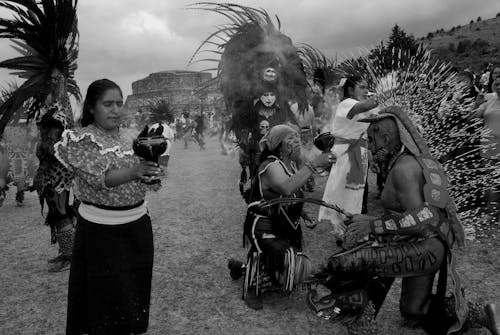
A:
{"points": [[143, 23], [126, 40]]}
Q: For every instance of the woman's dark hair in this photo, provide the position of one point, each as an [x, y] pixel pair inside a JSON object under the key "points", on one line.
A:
{"points": [[95, 92], [350, 82]]}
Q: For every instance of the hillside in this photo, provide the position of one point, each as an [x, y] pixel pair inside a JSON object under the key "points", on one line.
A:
{"points": [[471, 45]]}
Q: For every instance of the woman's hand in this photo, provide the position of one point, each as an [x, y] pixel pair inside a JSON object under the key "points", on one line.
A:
{"points": [[147, 171], [324, 160]]}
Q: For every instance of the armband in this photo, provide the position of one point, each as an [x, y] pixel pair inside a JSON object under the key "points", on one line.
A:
{"points": [[416, 219]]}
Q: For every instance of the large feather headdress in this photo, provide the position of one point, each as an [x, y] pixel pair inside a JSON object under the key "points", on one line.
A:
{"points": [[437, 102], [249, 45], [45, 33]]}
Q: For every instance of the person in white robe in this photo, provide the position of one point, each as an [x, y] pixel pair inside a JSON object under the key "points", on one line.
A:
{"points": [[347, 180]]}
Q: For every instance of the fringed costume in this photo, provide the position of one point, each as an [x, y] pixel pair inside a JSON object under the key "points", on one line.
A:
{"points": [[275, 257]]}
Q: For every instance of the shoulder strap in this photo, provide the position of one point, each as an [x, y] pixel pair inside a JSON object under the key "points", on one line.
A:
{"points": [[436, 193], [436, 182]]}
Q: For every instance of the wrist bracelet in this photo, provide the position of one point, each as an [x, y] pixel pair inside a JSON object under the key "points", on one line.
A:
{"points": [[311, 167]]}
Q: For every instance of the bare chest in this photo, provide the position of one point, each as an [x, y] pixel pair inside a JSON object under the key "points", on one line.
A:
{"points": [[389, 197]]}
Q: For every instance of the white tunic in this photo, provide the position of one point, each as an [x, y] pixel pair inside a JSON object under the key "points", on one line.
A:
{"points": [[348, 196]]}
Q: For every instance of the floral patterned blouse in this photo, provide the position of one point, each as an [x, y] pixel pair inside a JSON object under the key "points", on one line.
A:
{"points": [[90, 152]]}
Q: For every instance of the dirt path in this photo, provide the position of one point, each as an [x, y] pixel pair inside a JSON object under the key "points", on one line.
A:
{"points": [[197, 220]]}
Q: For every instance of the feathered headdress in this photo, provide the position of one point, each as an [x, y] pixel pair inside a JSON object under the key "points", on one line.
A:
{"points": [[321, 70], [255, 56], [436, 101], [45, 34]]}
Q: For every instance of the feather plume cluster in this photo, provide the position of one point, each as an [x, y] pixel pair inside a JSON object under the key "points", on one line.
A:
{"points": [[45, 34], [243, 49], [439, 104]]}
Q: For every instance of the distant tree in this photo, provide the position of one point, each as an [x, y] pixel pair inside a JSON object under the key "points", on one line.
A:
{"points": [[471, 22], [498, 14], [478, 19], [430, 35], [400, 40]]}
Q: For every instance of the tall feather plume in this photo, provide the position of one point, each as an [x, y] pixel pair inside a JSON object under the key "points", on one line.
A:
{"points": [[45, 34], [436, 100], [320, 69], [248, 43]]}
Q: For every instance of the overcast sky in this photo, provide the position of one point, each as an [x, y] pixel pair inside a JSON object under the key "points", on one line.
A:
{"points": [[125, 40]]}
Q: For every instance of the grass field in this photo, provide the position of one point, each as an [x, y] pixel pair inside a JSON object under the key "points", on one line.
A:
{"points": [[197, 221]]}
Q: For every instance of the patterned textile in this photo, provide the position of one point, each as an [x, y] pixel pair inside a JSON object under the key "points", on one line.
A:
{"points": [[65, 240], [275, 257], [89, 153], [51, 174]]}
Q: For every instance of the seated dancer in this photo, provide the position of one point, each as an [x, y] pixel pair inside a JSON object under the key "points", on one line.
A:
{"points": [[413, 241], [53, 182], [275, 256], [111, 270]]}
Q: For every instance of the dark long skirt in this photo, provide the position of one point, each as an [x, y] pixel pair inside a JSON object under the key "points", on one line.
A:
{"points": [[110, 278]]}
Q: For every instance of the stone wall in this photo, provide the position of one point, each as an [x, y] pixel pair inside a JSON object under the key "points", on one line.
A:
{"points": [[169, 80], [177, 87]]}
